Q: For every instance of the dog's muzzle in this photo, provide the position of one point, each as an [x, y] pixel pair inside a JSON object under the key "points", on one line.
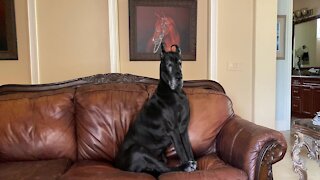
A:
{"points": [[176, 83]]}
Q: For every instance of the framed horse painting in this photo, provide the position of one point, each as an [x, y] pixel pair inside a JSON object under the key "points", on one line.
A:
{"points": [[153, 22], [8, 37]]}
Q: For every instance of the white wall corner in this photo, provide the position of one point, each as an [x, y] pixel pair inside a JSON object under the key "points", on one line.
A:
{"points": [[212, 68], [283, 78], [33, 42], [114, 36], [282, 126]]}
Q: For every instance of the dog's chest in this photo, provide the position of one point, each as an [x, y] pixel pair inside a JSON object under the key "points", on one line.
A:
{"points": [[176, 114], [163, 114]]}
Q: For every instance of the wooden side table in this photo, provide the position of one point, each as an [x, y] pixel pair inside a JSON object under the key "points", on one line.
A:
{"points": [[306, 135]]}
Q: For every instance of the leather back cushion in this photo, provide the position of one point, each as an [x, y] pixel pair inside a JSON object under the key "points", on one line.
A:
{"points": [[35, 126], [104, 114], [209, 111]]}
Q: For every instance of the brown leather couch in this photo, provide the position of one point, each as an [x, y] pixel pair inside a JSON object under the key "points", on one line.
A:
{"points": [[72, 130]]}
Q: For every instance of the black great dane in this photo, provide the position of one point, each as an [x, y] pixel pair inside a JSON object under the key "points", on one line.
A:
{"points": [[162, 121]]}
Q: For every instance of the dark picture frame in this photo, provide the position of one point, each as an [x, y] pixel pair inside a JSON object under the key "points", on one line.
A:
{"points": [[174, 20], [8, 36]]}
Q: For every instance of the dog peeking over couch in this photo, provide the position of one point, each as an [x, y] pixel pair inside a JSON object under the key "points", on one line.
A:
{"points": [[163, 121]]}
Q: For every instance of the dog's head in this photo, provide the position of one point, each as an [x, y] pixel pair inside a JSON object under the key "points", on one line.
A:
{"points": [[170, 67]]}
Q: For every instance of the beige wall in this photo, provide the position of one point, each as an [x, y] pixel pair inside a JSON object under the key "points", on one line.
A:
{"points": [[191, 69], [18, 72], [246, 36], [264, 63], [72, 39], [235, 45]]}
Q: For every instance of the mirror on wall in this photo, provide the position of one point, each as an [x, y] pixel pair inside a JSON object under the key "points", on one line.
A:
{"points": [[306, 50], [307, 43]]}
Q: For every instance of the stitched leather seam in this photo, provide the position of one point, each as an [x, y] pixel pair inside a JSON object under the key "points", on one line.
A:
{"points": [[233, 141]]}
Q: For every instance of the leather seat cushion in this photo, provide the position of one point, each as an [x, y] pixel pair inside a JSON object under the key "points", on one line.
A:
{"points": [[210, 167], [29, 170], [87, 169]]}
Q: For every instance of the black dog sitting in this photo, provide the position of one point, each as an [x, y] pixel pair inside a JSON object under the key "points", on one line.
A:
{"points": [[162, 121]]}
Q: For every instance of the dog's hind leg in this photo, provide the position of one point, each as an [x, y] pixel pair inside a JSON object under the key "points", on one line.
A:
{"points": [[143, 161]]}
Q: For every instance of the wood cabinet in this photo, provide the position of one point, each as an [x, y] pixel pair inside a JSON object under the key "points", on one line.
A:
{"points": [[306, 100], [316, 99], [296, 100], [305, 96]]}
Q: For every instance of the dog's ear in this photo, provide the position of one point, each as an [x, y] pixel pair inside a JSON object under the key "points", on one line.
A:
{"points": [[163, 50], [178, 50]]}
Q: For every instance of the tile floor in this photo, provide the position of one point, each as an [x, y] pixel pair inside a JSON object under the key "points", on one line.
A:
{"points": [[283, 170]]}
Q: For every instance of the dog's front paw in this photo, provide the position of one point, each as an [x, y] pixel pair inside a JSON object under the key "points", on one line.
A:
{"points": [[190, 166]]}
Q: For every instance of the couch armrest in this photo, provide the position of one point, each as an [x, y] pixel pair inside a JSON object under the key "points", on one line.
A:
{"points": [[250, 147]]}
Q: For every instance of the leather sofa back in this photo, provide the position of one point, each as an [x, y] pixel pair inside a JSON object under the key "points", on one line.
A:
{"points": [[90, 122], [35, 126], [104, 114]]}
